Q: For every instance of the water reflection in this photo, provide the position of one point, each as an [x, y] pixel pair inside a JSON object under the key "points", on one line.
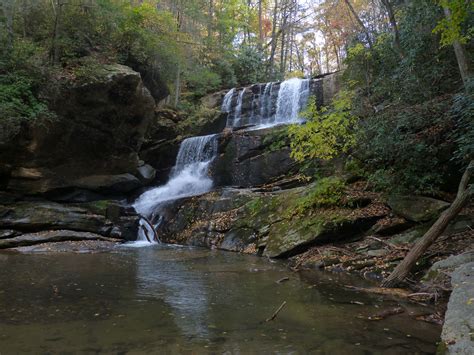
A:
{"points": [[181, 300], [182, 289]]}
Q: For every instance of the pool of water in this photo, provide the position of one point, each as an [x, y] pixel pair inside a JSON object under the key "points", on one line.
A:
{"points": [[181, 300]]}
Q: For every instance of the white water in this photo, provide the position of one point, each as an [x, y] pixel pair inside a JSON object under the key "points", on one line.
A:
{"points": [[227, 102], [189, 177], [267, 107], [238, 109], [288, 102]]}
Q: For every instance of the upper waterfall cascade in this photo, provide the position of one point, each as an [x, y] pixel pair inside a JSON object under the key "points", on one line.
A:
{"points": [[272, 103]]}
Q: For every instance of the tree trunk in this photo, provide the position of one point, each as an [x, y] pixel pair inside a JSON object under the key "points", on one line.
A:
{"points": [[271, 60], [9, 12], [359, 21], [57, 29], [177, 86], [393, 24], [464, 193], [210, 23], [260, 25], [460, 53]]}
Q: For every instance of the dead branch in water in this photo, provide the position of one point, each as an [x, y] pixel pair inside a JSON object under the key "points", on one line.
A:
{"points": [[275, 314], [283, 280]]}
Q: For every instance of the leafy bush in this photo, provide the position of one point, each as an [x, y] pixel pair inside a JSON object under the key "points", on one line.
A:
{"points": [[202, 81], [408, 147], [17, 100], [248, 66], [223, 67], [328, 131]]}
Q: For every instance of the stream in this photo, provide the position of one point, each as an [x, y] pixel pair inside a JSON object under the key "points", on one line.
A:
{"points": [[182, 300]]}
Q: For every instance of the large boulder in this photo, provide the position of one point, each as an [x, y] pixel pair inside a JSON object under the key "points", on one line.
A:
{"points": [[458, 325], [33, 222], [98, 130], [109, 183], [53, 236], [417, 208]]}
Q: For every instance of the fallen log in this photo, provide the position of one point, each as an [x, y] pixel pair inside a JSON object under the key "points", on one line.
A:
{"points": [[463, 196]]}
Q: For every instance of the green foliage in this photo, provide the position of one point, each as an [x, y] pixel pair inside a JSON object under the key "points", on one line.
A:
{"points": [[424, 72], [408, 147], [88, 70], [255, 206], [199, 116], [327, 192], [451, 29], [277, 139], [223, 67], [328, 131], [17, 99], [248, 65], [202, 81]]}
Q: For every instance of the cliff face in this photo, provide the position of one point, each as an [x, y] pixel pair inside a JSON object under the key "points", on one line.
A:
{"points": [[98, 131]]}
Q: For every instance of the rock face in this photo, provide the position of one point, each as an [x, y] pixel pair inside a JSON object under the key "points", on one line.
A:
{"points": [[98, 131], [28, 223], [256, 222], [417, 208], [457, 333], [252, 158]]}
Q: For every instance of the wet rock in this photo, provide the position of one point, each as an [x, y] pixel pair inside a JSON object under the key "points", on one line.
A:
{"points": [[446, 266], [457, 333], [289, 238], [48, 237], [417, 208], [213, 100], [253, 158], [37, 216], [8, 233], [146, 174], [410, 236], [392, 226], [247, 221], [105, 218], [109, 183], [73, 194], [377, 252], [161, 156]]}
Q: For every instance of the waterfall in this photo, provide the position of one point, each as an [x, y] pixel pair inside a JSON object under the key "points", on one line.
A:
{"points": [[227, 102], [288, 102], [266, 102], [268, 106], [188, 177], [238, 109]]}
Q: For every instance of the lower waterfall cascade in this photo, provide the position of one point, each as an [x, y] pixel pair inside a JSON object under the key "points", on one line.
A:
{"points": [[188, 177]]}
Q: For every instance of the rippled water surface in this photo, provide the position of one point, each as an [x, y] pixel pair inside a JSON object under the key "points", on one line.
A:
{"points": [[180, 300]]}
